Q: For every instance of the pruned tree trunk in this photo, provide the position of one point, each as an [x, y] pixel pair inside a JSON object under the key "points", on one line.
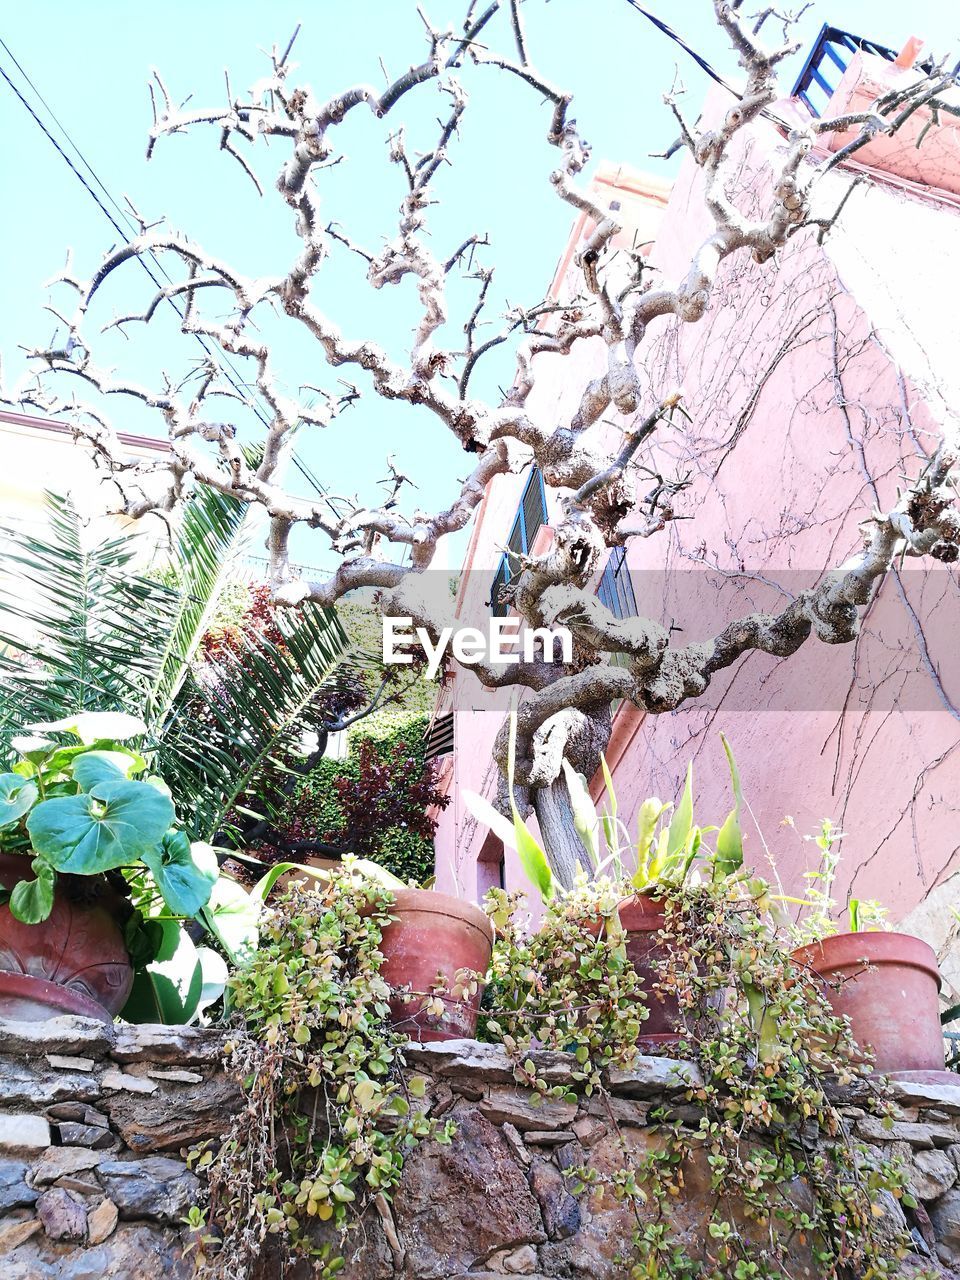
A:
{"points": [[555, 818]]}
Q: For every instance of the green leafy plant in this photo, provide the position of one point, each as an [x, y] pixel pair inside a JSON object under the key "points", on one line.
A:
{"points": [[329, 1112], [93, 810], [570, 983], [759, 1126], [668, 843], [818, 905], [373, 804], [81, 811], [84, 628], [769, 1049]]}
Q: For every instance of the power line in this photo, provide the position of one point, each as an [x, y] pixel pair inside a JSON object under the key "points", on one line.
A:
{"points": [[63, 129], [698, 58], [236, 381], [239, 385]]}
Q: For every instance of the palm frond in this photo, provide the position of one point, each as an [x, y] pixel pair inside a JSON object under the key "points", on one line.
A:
{"points": [[215, 532], [235, 720], [79, 628]]}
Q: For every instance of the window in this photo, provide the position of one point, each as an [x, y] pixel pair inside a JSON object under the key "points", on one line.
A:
{"points": [[616, 589], [440, 737], [491, 866], [531, 516], [616, 592]]}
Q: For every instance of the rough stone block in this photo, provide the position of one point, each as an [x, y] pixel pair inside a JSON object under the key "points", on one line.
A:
{"points": [[63, 1215], [102, 1221], [25, 1084], [945, 1097], [86, 1135], [933, 1174], [14, 1191], [21, 1131], [873, 1129], [114, 1079], [469, 1060], [561, 1212], [16, 1233], [65, 1062], [177, 1077], [178, 1046], [176, 1116], [651, 1077], [66, 1034], [513, 1106], [460, 1203], [515, 1262], [58, 1162], [945, 1216], [79, 1113], [157, 1188]]}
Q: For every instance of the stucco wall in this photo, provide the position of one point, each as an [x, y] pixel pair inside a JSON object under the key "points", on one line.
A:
{"points": [[815, 385]]}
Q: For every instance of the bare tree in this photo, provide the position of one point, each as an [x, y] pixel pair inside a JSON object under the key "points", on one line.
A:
{"points": [[565, 710]]}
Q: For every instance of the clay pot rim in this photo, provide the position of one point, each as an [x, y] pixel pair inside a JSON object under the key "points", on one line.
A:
{"points": [[879, 947], [654, 901], [648, 907], [58, 998], [430, 902]]}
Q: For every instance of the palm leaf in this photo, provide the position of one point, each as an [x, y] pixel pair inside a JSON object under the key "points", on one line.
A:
{"points": [[232, 721], [80, 630], [214, 533], [78, 626]]}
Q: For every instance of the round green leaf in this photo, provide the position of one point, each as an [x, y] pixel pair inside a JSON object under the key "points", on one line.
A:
{"points": [[185, 873], [17, 796], [169, 989], [33, 748], [114, 824], [231, 917], [32, 900], [94, 767]]}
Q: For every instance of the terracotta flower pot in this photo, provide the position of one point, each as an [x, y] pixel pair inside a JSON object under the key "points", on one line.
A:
{"points": [[887, 985], [643, 918], [434, 935], [75, 961]]}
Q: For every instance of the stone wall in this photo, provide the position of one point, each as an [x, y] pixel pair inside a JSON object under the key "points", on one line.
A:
{"points": [[95, 1122]]}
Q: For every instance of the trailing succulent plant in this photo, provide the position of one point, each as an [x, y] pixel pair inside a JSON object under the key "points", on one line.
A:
{"points": [[329, 1112], [770, 1051], [786, 1178]]}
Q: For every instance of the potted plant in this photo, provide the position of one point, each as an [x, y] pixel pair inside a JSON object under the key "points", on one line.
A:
{"points": [[434, 947], [886, 983], [643, 875], [431, 941], [94, 873]]}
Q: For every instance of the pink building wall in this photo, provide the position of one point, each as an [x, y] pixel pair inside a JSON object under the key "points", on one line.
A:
{"points": [[814, 385]]}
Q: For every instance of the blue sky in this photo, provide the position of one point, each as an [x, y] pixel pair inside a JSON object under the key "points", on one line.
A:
{"points": [[91, 63]]}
